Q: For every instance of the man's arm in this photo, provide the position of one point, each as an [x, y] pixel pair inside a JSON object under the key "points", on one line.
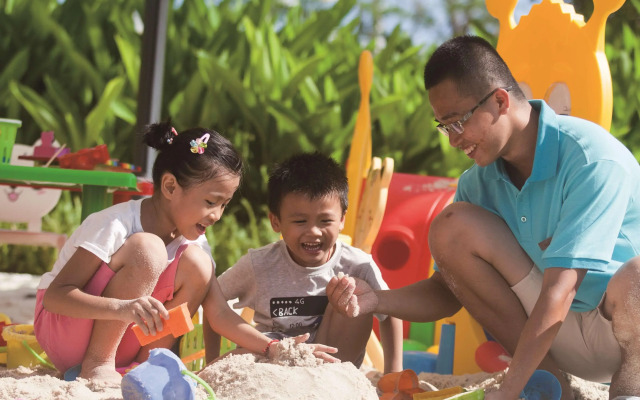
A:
{"points": [[559, 288], [424, 301]]}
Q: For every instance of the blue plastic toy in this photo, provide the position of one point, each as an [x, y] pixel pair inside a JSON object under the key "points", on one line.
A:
{"points": [[162, 377], [542, 385]]}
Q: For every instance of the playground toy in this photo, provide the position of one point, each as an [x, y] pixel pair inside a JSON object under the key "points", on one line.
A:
{"points": [[554, 55], [4, 321], [492, 357], [95, 158], [399, 385], [85, 158], [360, 151], [178, 324], [8, 130], [542, 385], [22, 347], [28, 205], [162, 377], [46, 148], [373, 203]]}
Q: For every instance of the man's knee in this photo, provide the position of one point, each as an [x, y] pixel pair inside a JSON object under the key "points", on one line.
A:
{"points": [[622, 302]]}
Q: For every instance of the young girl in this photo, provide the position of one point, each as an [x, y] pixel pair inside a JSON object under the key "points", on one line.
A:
{"points": [[131, 262]]}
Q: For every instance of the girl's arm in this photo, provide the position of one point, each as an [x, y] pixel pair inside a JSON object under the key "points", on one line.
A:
{"points": [[227, 323], [65, 296]]}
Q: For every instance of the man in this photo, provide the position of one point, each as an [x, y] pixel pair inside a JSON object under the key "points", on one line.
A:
{"points": [[541, 241]]}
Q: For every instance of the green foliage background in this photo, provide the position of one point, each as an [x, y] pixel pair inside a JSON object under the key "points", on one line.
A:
{"points": [[275, 80]]}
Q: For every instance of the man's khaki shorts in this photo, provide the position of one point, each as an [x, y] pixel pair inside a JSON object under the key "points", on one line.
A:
{"points": [[585, 345]]}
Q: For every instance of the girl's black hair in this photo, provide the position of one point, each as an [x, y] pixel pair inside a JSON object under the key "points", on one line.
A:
{"points": [[175, 155]]}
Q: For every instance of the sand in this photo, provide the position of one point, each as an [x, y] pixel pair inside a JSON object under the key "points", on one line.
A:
{"points": [[293, 374]]}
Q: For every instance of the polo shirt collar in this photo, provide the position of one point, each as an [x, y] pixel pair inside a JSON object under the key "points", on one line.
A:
{"points": [[545, 160]]}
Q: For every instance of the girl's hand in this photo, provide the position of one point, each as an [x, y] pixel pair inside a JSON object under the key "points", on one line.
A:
{"points": [[147, 312]]}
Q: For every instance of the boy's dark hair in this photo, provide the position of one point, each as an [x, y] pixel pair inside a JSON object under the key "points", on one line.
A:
{"points": [[312, 174], [175, 155], [473, 64]]}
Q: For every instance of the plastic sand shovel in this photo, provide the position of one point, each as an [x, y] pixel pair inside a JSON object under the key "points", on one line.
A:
{"points": [[542, 385]]}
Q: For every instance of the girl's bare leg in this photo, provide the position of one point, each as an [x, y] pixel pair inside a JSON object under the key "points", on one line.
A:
{"points": [[137, 265]]}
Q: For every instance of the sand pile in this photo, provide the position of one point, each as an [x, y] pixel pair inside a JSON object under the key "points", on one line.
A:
{"points": [[294, 373]]}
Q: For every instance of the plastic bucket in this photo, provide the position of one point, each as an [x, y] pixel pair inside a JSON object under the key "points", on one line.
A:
{"points": [[17, 353], [8, 130]]}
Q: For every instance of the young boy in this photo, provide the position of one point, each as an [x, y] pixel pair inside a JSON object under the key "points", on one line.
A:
{"points": [[284, 282]]}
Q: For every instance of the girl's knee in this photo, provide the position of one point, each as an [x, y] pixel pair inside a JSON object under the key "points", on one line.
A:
{"points": [[195, 268], [144, 250]]}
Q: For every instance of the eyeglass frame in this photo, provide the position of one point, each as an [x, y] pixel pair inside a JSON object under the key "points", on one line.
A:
{"points": [[445, 128]]}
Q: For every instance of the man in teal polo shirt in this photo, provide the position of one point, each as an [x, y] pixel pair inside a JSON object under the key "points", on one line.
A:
{"points": [[541, 242]]}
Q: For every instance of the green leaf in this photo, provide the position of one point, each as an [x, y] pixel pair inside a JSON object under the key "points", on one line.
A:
{"points": [[43, 113], [96, 119], [14, 69], [130, 59]]}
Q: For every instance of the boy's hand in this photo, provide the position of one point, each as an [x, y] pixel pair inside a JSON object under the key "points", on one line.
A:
{"points": [[319, 350], [147, 312], [351, 296]]}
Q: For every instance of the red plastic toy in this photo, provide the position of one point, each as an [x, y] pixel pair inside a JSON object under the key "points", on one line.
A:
{"points": [[178, 324], [85, 158], [400, 249]]}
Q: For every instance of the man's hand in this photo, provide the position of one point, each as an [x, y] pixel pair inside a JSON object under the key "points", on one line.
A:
{"points": [[351, 296]]}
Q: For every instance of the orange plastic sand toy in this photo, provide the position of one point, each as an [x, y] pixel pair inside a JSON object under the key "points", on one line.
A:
{"points": [[178, 324]]}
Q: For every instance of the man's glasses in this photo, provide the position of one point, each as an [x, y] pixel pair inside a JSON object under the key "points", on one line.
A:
{"points": [[457, 126]]}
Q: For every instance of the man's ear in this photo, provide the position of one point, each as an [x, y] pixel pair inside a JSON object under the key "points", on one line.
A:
{"points": [[504, 100], [275, 222], [168, 185]]}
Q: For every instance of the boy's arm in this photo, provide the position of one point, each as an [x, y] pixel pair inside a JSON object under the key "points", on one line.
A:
{"points": [[391, 340]]}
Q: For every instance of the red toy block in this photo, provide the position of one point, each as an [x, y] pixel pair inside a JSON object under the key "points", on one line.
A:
{"points": [[178, 324]]}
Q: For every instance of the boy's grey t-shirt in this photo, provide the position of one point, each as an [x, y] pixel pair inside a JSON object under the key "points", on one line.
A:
{"points": [[289, 298]]}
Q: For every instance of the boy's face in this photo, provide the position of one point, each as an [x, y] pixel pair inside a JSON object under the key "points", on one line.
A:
{"points": [[309, 228]]}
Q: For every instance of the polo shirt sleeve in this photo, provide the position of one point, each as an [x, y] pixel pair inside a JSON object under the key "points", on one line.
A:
{"points": [[595, 198]]}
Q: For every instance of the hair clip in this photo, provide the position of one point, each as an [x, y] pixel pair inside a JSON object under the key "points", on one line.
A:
{"points": [[175, 133], [198, 145]]}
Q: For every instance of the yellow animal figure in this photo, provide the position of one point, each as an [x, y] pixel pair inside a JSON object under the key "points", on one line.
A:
{"points": [[554, 55]]}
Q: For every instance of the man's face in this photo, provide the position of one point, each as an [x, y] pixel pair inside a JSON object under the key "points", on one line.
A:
{"points": [[481, 139]]}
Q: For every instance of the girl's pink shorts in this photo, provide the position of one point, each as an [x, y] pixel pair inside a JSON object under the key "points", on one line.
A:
{"points": [[65, 339]]}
